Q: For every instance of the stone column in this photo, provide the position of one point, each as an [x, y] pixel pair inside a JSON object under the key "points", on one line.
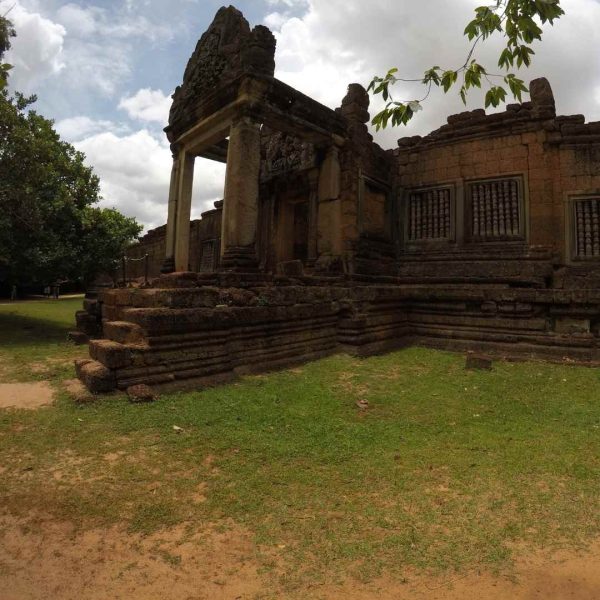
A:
{"points": [[185, 180], [240, 209], [329, 235], [169, 262], [313, 215]]}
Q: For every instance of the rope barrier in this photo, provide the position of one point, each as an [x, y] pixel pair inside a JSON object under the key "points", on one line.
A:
{"points": [[136, 259], [126, 259]]}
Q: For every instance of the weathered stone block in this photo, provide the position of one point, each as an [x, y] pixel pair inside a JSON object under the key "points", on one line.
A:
{"points": [[111, 354], [140, 393], [96, 377], [569, 325], [123, 332], [78, 337], [79, 364], [291, 268], [181, 279]]}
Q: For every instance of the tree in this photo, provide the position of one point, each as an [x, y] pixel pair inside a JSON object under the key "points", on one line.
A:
{"points": [[49, 227], [520, 21], [6, 32]]}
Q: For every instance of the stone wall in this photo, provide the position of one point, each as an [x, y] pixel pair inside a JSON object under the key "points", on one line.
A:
{"points": [[553, 160], [205, 235], [483, 235], [188, 331]]}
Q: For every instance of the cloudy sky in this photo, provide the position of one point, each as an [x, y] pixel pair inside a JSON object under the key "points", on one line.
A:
{"points": [[104, 70]]}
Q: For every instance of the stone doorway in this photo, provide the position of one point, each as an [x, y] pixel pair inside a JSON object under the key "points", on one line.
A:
{"points": [[292, 228]]}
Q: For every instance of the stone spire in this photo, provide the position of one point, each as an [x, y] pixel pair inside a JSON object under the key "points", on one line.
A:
{"points": [[542, 97], [226, 50], [355, 105]]}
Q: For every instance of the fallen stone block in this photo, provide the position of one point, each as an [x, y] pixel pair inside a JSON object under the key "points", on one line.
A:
{"points": [[140, 393], [78, 338]]}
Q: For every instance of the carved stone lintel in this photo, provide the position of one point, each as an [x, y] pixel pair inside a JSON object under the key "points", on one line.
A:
{"points": [[284, 153]]}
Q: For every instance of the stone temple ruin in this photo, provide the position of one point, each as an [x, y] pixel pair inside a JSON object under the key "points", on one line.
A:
{"points": [[484, 234]]}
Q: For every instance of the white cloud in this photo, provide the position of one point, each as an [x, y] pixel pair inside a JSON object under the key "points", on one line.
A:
{"points": [[288, 3], [37, 51], [74, 129], [147, 105], [93, 20], [77, 20], [135, 172], [85, 48], [275, 20], [337, 42]]}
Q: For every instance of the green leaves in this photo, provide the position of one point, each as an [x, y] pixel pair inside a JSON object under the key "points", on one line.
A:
{"points": [[396, 113], [473, 75], [486, 22], [380, 85], [432, 76], [495, 96], [449, 79], [520, 21], [517, 86], [6, 32], [4, 69], [50, 227]]}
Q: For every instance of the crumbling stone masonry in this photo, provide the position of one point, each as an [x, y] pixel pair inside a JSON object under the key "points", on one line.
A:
{"points": [[484, 234]]}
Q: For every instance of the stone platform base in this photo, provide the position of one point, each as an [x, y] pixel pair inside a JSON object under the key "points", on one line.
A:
{"points": [[185, 333]]}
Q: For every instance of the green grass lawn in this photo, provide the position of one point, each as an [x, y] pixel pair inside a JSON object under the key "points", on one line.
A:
{"points": [[33, 339], [446, 470]]}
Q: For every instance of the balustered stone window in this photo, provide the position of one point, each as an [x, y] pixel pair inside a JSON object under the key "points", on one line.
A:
{"points": [[496, 209], [430, 215], [586, 226]]}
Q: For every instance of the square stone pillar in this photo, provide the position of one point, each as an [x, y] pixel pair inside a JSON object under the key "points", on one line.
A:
{"points": [[313, 215], [169, 262], [329, 223], [185, 181], [240, 208], [180, 206]]}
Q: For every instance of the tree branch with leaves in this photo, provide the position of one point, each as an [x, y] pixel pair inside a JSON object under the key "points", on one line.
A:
{"points": [[7, 31], [519, 21]]}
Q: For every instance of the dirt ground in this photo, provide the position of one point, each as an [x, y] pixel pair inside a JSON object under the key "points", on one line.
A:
{"points": [[26, 395], [43, 559]]}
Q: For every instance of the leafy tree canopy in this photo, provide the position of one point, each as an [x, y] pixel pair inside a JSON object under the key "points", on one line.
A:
{"points": [[6, 32], [49, 226], [519, 21]]}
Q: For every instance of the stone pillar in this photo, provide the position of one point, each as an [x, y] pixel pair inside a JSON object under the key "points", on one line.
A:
{"points": [[185, 180], [329, 235], [329, 176], [169, 262], [313, 215], [240, 209]]}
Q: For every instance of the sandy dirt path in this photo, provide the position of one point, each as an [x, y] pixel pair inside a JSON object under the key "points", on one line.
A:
{"points": [[43, 559]]}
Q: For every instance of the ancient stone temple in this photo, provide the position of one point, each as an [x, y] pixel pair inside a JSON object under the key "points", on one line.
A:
{"points": [[483, 234]]}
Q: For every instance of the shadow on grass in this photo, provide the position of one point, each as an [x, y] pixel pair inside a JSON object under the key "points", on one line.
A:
{"points": [[19, 330]]}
